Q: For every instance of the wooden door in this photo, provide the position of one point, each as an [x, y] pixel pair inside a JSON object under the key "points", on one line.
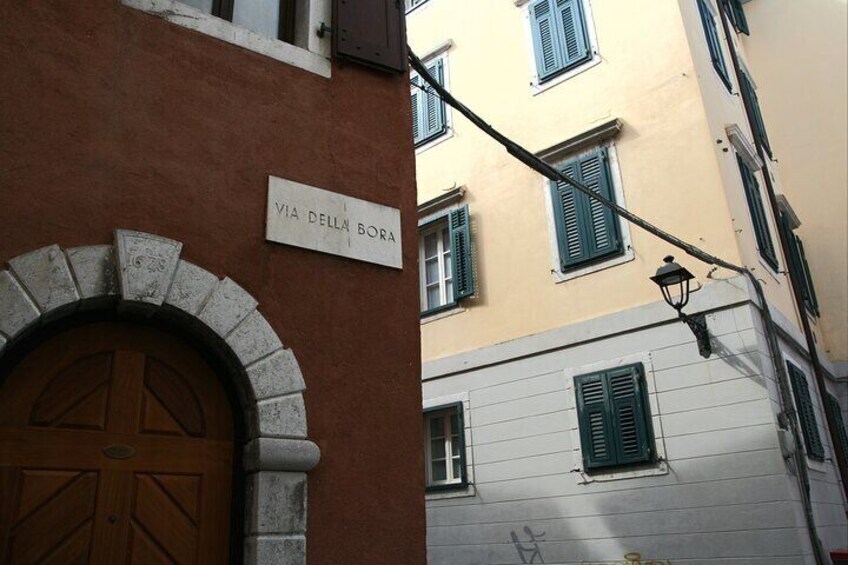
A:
{"points": [[116, 445]]}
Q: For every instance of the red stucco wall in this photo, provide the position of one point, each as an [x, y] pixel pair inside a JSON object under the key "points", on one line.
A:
{"points": [[112, 118]]}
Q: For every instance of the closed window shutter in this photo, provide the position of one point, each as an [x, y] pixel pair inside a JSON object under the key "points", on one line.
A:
{"points": [[428, 109], [572, 246], [813, 301], [545, 38], [596, 427], [806, 414], [836, 415], [416, 110], [795, 263], [753, 102], [628, 412], [602, 229], [575, 48], [435, 107], [586, 229], [737, 14], [758, 214], [461, 257], [713, 41]]}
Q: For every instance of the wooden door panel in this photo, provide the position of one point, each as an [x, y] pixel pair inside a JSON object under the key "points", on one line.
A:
{"points": [[170, 406], [77, 396], [53, 517], [115, 447], [163, 520]]}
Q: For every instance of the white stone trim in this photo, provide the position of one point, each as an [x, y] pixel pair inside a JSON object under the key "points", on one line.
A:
{"points": [[464, 398], [144, 271], [313, 59], [743, 147]]}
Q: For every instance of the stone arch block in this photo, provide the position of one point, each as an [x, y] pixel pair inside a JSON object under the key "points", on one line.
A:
{"points": [[143, 268]]}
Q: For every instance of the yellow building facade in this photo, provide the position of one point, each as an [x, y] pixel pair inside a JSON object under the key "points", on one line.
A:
{"points": [[657, 94]]}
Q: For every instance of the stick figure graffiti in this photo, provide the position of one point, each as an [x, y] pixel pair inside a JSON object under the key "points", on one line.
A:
{"points": [[529, 552]]}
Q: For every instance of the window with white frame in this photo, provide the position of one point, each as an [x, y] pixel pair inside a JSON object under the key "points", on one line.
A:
{"points": [[272, 18], [445, 261], [560, 33], [444, 449], [429, 112], [283, 30]]}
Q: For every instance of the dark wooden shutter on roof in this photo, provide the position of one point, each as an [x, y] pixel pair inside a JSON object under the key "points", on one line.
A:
{"points": [[370, 32]]}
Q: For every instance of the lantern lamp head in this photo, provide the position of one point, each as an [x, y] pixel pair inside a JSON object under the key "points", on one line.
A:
{"points": [[673, 281]]}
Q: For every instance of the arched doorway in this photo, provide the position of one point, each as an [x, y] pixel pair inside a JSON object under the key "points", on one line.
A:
{"points": [[116, 445]]}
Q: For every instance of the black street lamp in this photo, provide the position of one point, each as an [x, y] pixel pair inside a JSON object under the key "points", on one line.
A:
{"points": [[673, 281]]}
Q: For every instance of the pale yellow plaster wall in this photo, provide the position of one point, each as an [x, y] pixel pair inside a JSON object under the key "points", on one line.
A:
{"points": [[798, 52], [668, 163], [723, 108]]}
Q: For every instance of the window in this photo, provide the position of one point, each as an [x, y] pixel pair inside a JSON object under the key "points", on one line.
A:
{"points": [[272, 18], [560, 36], [749, 96], [429, 119], [758, 214], [412, 4], [806, 414], [835, 412], [713, 41], [587, 231], [798, 264], [445, 261], [614, 419], [737, 16], [444, 449]]}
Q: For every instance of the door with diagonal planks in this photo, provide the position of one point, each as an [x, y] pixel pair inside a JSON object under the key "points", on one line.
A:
{"points": [[116, 446]]}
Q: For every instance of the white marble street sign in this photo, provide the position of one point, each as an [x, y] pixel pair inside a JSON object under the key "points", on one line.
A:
{"points": [[317, 219]]}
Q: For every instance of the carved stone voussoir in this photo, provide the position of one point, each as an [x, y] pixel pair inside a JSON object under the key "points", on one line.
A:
{"points": [[17, 311], [94, 270], [227, 307], [47, 277], [191, 287], [146, 265]]}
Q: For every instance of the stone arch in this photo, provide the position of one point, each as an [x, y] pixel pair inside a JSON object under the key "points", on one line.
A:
{"points": [[144, 272]]}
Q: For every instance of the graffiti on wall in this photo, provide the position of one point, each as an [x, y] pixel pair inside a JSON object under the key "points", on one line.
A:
{"points": [[528, 550]]}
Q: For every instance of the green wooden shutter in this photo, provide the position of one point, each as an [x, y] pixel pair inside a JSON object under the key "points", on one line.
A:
{"points": [[560, 38], [758, 214], [546, 39], [737, 15], [613, 417], [835, 411], [428, 109], [806, 413], [813, 301], [596, 426], [628, 413], [713, 42], [461, 257], [602, 229], [570, 238], [416, 110], [572, 30], [586, 229], [751, 100]]}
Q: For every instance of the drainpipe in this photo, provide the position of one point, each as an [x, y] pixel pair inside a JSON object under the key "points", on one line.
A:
{"points": [[794, 277]]}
